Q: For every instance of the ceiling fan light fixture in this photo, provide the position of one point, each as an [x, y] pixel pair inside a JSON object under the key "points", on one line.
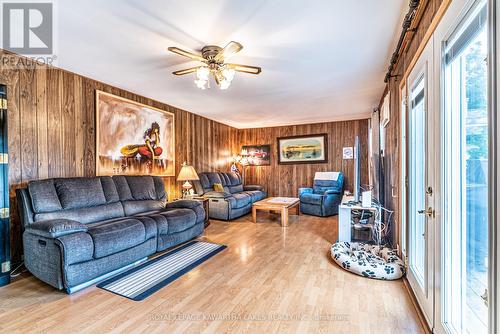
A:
{"points": [[213, 58], [228, 74], [224, 84], [201, 84], [202, 73]]}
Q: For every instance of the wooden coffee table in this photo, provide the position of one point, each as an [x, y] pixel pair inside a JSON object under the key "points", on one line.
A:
{"points": [[281, 204]]}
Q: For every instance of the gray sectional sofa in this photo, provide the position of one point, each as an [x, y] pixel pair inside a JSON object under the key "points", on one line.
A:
{"points": [[78, 230], [236, 200]]}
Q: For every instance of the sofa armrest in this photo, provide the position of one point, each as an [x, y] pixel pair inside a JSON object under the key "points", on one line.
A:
{"points": [[305, 191], [56, 227], [332, 192], [251, 187], [183, 204], [191, 204], [217, 194]]}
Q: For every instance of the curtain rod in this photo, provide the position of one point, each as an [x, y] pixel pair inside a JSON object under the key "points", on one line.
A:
{"points": [[406, 25]]}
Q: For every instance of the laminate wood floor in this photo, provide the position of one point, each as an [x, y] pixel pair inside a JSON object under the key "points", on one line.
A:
{"points": [[269, 280]]}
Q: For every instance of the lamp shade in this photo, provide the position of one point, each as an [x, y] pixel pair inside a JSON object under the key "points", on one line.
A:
{"points": [[187, 173]]}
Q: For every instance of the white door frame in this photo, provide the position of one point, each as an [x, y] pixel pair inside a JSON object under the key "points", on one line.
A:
{"points": [[403, 237], [494, 167]]}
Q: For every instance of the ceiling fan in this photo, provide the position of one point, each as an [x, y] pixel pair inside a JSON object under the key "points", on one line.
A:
{"points": [[214, 62]]}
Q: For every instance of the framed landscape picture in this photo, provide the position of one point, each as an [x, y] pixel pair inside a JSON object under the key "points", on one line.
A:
{"points": [[303, 149], [257, 155], [133, 138]]}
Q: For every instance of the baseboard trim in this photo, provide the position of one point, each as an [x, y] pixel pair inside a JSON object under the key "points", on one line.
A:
{"points": [[414, 301]]}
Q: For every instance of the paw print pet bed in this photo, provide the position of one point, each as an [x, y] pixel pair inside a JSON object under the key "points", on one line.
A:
{"points": [[368, 260]]}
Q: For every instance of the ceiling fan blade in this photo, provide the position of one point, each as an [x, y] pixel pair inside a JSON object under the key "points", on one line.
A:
{"points": [[186, 70], [186, 53], [245, 68], [229, 50]]}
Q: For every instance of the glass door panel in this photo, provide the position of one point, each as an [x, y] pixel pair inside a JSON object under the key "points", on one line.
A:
{"points": [[416, 185], [421, 171], [465, 237]]}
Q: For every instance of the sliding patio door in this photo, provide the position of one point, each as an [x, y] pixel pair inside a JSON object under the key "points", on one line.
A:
{"points": [[421, 175]]}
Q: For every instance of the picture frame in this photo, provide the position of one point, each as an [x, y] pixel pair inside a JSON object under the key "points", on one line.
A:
{"points": [[257, 155], [133, 138], [303, 149]]}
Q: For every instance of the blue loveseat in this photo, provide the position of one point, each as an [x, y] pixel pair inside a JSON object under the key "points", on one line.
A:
{"points": [[236, 200], [78, 230], [324, 197]]}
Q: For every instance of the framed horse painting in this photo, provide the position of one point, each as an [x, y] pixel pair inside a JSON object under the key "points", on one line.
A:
{"points": [[133, 138]]}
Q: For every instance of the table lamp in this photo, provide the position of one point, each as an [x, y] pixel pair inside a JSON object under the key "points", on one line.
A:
{"points": [[187, 173]]}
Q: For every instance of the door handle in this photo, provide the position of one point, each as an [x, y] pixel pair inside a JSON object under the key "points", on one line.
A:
{"points": [[429, 212]]}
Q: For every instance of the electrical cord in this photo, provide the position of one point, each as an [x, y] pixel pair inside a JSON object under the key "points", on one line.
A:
{"points": [[13, 273], [380, 229]]}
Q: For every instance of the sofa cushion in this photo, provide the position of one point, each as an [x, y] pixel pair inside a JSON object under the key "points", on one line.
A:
{"points": [[217, 194], [82, 192], [311, 198], [207, 180], [139, 187], [44, 196], [114, 237], [179, 220], [234, 179], [240, 200], [136, 207], [140, 193], [85, 215], [142, 187], [109, 188], [257, 195], [161, 195], [124, 192], [227, 180], [236, 189], [160, 221]]}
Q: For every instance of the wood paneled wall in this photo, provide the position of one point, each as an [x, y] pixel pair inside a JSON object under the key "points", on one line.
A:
{"points": [[52, 131], [284, 180], [391, 155], [52, 134]]}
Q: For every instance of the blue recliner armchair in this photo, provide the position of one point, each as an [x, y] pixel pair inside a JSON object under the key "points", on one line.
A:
{"points": [[324, 197]]}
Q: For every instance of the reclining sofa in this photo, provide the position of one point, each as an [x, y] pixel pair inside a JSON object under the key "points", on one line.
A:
{"points": [[234, 201], [79, 230]]}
